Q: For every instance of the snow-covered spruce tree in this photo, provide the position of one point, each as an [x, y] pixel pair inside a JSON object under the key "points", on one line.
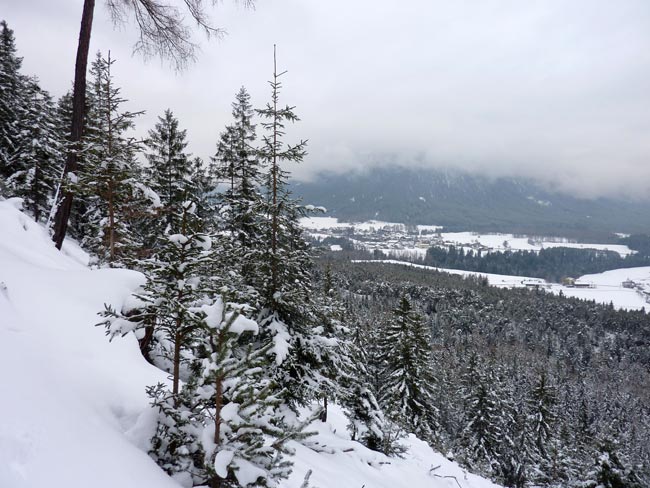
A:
{"points": [[110, 176], [238, 171], [243, 439], [165, 314], [610, 470], [219, 424], [283, 266], [481, 433], [408, 380], [169, 172], [10, 99], [540, 427], [38, 157], [367, 423]]}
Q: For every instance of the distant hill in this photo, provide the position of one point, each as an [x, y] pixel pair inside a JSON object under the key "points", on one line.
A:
{"points": [[461, 201]]}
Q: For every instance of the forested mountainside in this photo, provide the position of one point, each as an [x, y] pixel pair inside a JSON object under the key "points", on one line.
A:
{"points": [[462, 201], [528, 388]]}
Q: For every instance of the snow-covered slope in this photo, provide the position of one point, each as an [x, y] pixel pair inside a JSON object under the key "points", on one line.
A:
{"points": [[73, 409]]}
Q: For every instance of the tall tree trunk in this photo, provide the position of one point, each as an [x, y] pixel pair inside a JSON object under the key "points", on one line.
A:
{"points": [[274, 172], [177, 362], [78, 105]]}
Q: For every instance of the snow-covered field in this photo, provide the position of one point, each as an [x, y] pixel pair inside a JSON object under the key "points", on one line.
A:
{"points": [[74, 413], [607, 287]]}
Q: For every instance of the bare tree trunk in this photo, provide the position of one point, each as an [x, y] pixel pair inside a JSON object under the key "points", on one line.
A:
{"points": [[323, 414], [111, 224], [274, 172], [177, 363], [216, 481], [78, 105]]}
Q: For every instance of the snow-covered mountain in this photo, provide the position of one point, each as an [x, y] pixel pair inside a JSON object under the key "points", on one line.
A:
{"points": [[73, 410], [462, 201]]}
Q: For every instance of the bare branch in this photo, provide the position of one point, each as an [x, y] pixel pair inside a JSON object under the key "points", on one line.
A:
{"points": [[163, 29]]}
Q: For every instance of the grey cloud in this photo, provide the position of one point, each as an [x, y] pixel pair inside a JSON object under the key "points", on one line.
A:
{"points": [[551, 89]]}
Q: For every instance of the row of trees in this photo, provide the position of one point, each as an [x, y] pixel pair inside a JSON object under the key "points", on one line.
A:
{"points": [[551, 263]]}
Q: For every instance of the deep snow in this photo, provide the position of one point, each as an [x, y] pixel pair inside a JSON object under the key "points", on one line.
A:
{"points": [[73, 410]]}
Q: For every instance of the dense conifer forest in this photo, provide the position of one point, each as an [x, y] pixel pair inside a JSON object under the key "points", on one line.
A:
{"points": [[258, 336], [552, 264], [529, 388]]}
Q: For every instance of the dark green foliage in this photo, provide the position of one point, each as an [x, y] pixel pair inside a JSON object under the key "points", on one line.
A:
{"points": [[110, 179], [10, 99], [304, 345], [552, 264], [408, 389], [37, 160], [529, 380], [610, 471], [170, 173], [30, 149]]}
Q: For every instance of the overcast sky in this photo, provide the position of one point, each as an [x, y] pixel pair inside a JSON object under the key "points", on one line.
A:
{"points": [[555, 89]]}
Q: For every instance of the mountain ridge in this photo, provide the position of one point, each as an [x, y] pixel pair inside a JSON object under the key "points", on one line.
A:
{"points": [[463, 201]]}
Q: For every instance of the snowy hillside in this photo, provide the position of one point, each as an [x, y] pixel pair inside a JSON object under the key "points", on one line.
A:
{"points": [[74, 410]]}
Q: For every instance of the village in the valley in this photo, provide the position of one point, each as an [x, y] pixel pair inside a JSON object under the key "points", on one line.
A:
{"points": [[403, 243]]}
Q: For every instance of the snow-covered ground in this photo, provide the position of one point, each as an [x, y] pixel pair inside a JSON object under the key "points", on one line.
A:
{"points": [[74, 412], [606, 287]]}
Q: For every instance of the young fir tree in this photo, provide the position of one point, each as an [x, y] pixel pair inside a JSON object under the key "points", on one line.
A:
{"points": [[170, 173], [177, 283], [408, 379], [542, 413], [366, 421], [244, 438], [11, 84], [283, 265], [481, 432], [237, 168], [219, 424], [110, 176]]}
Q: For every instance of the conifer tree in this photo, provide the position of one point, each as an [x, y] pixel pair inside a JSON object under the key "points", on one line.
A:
{"points": [[238, 168], [367, 423], [37, 156], [245, 439], [170, 172], [481, 433], [408, 380], [610, 470], [542, 415], [110, 176], [176, 285], [283, 276], [10, 96]]}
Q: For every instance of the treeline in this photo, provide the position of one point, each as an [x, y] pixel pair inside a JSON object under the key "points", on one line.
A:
{"points": [[525, 387], [551, 264]]}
